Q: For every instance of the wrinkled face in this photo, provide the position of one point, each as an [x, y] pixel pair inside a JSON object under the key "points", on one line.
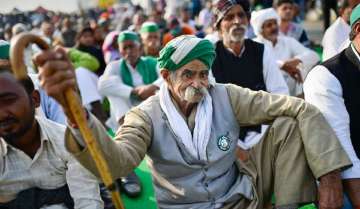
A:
{"points": [[234, 25], [189, 83], [286, 11], [87, 39], [270, 30], [17, 109], [151, 39], [130, 51]]}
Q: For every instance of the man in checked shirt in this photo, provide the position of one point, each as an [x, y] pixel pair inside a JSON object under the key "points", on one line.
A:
{"points": [[36, 171]]}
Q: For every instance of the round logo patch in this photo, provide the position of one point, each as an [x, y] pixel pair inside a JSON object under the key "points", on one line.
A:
{"points": [[224, 143]]}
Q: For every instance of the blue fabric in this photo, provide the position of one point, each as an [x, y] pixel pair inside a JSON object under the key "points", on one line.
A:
{"points": [[51, 108]]}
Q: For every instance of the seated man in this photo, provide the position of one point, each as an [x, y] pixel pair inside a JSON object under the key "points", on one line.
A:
{"points": [[334, 87], [292, 57], [150, 38], [130, 80], [189, 132], [288, 27], [36, 171]]}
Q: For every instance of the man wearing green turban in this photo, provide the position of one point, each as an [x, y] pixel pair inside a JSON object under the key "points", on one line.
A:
{"points": [[150, 37], [189, 131]]}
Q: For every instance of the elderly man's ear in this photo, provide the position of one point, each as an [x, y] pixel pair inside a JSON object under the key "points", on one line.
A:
{"points": [[165, 73]]}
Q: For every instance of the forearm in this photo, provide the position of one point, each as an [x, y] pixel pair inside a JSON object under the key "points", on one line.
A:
{"points": [[124, 155]]}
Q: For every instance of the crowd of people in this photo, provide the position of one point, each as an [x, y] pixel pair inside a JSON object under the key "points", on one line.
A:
{"points": [[227, 98]]}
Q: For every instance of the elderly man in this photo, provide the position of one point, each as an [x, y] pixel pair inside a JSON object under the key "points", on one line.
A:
{"points": [[333, 87], [130, 80], [150, 38], [292, 57], [189, 132], [242, 61], [36, 171]]}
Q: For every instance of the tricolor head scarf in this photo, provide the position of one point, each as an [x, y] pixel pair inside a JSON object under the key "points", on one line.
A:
{"points": [[221, 7], [4, 49], [128, 35], [149, 27], [184, 49], [259, 17]]}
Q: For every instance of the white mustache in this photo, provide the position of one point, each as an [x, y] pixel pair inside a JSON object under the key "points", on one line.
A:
{"points": [[191, 92]]}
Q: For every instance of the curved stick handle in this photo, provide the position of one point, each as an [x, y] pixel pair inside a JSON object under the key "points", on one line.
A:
{"points": [[17, 46]]}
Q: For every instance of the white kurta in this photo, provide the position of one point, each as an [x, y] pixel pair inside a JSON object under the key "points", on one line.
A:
{"points": [[287, 48], [324, 90], [334, 37], [111, 85]]}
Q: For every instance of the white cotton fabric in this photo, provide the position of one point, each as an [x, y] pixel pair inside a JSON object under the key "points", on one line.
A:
{"points": [[259, 17], [183, 46], [334, 37], [195, 144]]}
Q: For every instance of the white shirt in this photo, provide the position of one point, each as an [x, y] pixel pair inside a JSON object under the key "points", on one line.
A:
{"points": [[334, 36], [287, 48], [323, 90], [52, 167], [87, 83]]}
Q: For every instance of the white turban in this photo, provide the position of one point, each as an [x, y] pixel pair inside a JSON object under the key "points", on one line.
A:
{"points": [[259, 17]]}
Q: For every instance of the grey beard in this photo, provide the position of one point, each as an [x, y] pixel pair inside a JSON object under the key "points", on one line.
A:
{"points": [[191, 94]]}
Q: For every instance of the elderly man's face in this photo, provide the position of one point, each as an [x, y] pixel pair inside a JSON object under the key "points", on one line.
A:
{"points": [[189, 83], [130, 51], [234, 24], [270, 30], [286, 11]]}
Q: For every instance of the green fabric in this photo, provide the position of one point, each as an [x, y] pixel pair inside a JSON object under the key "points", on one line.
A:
{"points": [[146, 66], [128, 35], [149, 27], [4, 49], [147, 197], [355, 15], [203, 51], [83, 59]]}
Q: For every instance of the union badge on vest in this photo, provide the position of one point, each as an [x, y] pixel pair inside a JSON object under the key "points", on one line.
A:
{"points": [[224, 143]]}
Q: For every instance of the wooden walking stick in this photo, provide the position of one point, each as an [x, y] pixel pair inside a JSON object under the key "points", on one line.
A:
{"points": [[17, 46]]}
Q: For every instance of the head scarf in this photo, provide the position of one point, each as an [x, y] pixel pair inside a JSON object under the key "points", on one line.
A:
{"points": [[128, 35], [355, 15], [4, 49], [184, 49], [259, 17], [221, 7], [149, 27]]}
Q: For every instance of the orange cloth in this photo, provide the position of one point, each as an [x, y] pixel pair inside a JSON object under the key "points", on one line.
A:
{"points": [[185, 30]]}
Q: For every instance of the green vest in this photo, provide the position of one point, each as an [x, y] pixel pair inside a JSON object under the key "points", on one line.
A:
{"points": [[146, 66]]}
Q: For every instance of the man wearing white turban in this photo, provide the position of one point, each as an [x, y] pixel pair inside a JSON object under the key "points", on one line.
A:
{"points": [[291, 56], [189, 132]]}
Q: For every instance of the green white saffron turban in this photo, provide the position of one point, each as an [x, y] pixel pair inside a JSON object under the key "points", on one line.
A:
{"points": [[184, 49], [128, 35], [149, 27]]}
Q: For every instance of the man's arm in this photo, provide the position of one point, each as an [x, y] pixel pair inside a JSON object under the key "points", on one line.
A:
{"points": [[83, 186], [256, 107], [124, 153], [274, 80]]}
